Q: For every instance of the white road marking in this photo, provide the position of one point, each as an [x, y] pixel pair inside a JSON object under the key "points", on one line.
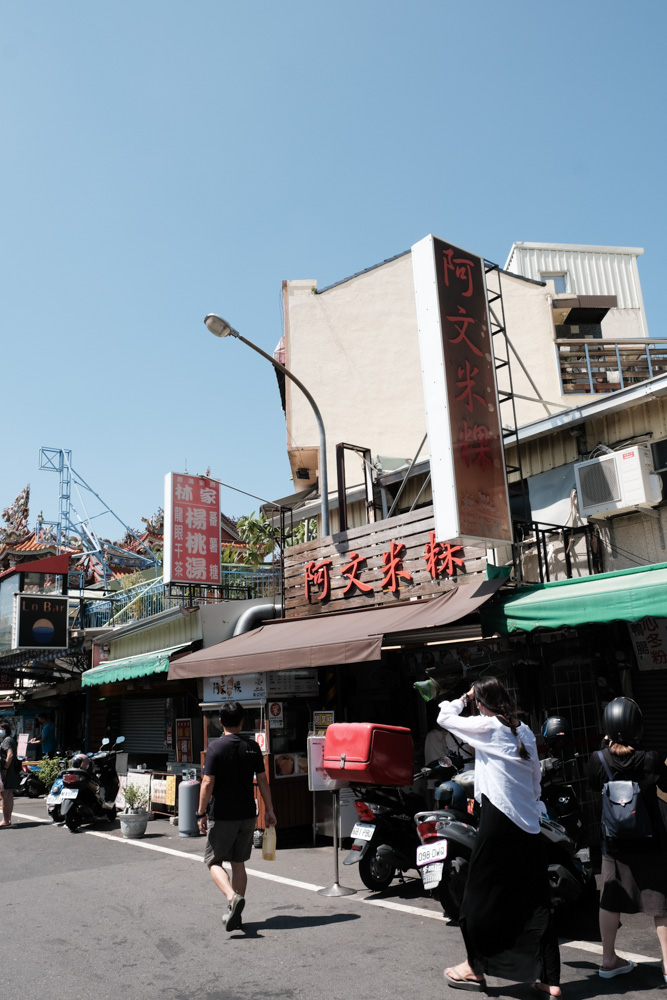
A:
{"points": [[386, 904]]}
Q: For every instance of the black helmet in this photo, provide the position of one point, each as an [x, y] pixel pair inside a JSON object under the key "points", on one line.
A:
{"points": [[557, 734], [450, 795], [81, 761], [623, 721]]}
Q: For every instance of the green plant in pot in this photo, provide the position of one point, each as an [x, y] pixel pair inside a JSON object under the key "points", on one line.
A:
{"points": [[134, 818]]}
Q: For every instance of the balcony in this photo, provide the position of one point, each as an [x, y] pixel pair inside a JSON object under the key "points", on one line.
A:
{"points": [[150, 598], [601, 366]]}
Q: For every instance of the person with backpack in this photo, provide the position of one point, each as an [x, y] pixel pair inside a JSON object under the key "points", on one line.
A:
{"points": [[9, 771], [634, 842]]}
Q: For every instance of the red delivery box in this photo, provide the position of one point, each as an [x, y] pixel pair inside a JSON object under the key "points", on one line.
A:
{"points": [[369, 754]]}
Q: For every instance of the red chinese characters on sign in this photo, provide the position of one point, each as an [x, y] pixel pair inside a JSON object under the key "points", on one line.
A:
{"points": [[318, 575], [192, 529], [441, 559], [471, 390], [392, 564], [350, 572]]}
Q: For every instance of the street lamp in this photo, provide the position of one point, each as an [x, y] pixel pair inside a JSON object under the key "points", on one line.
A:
{"points": [[221, 328]]}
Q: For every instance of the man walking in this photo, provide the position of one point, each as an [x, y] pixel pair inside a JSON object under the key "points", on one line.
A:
{"points": [[227, 812]]}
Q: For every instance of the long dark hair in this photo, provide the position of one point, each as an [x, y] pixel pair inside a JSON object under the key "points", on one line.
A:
{"points": [[493, 695]]}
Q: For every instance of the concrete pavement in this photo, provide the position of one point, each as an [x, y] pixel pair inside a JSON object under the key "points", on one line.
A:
{"points": [[366, 944]]}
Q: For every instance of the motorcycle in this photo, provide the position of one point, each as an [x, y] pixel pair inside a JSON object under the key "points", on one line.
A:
{"points": [[90, 786], [384, 837], [447, 836], [30, 783]]}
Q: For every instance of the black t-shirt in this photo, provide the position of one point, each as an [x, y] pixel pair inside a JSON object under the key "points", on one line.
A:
{"points": [[233, 761], [648, 770]]}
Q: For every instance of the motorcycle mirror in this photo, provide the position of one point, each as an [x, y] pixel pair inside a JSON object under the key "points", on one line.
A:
{"points": [[121, 739], [106, 741]]}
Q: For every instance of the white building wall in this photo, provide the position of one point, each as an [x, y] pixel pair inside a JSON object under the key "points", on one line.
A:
{"points": [[589, 270], [355, 347]]}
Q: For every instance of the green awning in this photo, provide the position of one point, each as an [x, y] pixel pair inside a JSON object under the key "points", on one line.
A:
{"points": [[626, 595], [129, 667]]}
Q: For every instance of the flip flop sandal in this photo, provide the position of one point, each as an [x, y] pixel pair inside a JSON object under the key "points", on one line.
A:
{"points": [[620, 971], [474, 985]]}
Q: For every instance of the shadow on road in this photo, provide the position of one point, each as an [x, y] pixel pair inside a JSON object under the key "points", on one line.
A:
{"points": [[289, 922]]}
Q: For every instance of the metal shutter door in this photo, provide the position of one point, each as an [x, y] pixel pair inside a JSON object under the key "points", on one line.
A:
{"points": [[143, 725]]}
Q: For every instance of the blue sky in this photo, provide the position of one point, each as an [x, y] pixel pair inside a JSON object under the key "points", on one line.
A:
{"points": [[160, 160]]}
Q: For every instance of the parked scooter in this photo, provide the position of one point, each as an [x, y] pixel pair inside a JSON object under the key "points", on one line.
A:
{"points": [[30, 783], [385, 838], [90, 787], [448, 834]]}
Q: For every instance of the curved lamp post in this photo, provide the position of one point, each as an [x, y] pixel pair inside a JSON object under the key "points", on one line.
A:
{"points": [[221, 328]]}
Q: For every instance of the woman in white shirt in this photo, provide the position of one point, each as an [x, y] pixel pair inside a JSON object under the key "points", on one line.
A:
{"points": [[505, 920]]}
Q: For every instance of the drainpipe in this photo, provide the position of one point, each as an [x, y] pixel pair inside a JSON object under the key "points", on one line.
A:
{"points": [[252, 617]]}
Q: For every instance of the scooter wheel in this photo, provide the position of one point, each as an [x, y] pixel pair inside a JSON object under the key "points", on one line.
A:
{"points": [[33, 791], [111, 815], [73, 820], [374, 873]]}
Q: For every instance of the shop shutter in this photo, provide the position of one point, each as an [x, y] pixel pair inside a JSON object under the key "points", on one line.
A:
{"points": [[143, 725], [650, 693]]}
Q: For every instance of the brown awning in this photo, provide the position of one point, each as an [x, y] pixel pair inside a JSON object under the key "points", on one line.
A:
{"points": [[324, 640]]}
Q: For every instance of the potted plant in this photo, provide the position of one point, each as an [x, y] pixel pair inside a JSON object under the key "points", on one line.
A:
{"points": [[134, 817]]}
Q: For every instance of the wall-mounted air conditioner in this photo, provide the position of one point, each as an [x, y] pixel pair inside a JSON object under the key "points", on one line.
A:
{"points": [[614, 483]]}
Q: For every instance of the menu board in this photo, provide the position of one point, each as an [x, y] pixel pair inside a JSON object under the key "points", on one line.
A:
{"points": [[291, 682]]}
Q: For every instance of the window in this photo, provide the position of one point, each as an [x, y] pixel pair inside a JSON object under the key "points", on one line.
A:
{"points": [[559, 279]]}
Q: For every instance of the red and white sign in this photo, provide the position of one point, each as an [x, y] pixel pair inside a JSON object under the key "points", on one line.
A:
{"points": [[191, 529], [462, 419], [275, 714]]}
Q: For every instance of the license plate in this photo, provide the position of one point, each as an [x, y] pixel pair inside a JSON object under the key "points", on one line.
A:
{"points": [[426, 853], [69, 793], [431, 875], [363, 831], [53, 800]]}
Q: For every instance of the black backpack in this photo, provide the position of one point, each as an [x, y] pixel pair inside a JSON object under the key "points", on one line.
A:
{"points": [[624, 812]]}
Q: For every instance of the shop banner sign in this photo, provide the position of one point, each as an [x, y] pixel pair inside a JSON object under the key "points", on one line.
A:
{"points": [[468, 475], [227, 687], [649, 638], [183, 741], [41, 622], [191, 530]]}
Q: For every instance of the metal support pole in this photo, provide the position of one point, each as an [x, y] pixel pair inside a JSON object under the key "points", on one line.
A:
{"points": [[336, 889]]}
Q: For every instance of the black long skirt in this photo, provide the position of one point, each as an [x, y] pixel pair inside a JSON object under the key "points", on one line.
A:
{"points": [[506, 918]]}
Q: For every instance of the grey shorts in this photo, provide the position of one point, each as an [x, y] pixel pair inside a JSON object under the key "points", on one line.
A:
{"points": [[229, 840]]}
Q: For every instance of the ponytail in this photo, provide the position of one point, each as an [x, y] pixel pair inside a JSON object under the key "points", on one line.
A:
{"points": [[492, 694]]}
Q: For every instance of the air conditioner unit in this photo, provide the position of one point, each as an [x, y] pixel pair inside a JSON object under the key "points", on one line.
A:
{"points": [[621, 481]]}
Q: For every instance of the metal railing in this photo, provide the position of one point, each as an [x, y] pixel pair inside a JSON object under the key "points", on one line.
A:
{"points": [[602, 366], [150, 598]]}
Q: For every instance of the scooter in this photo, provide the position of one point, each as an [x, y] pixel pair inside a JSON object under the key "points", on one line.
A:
{"points": [[90, 787], [385, 838], [54, 796], [30, 783]]}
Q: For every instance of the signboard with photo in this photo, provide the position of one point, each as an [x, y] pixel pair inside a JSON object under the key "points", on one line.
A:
{"points": [[227, 687], [41, 622], [290, 765]]}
